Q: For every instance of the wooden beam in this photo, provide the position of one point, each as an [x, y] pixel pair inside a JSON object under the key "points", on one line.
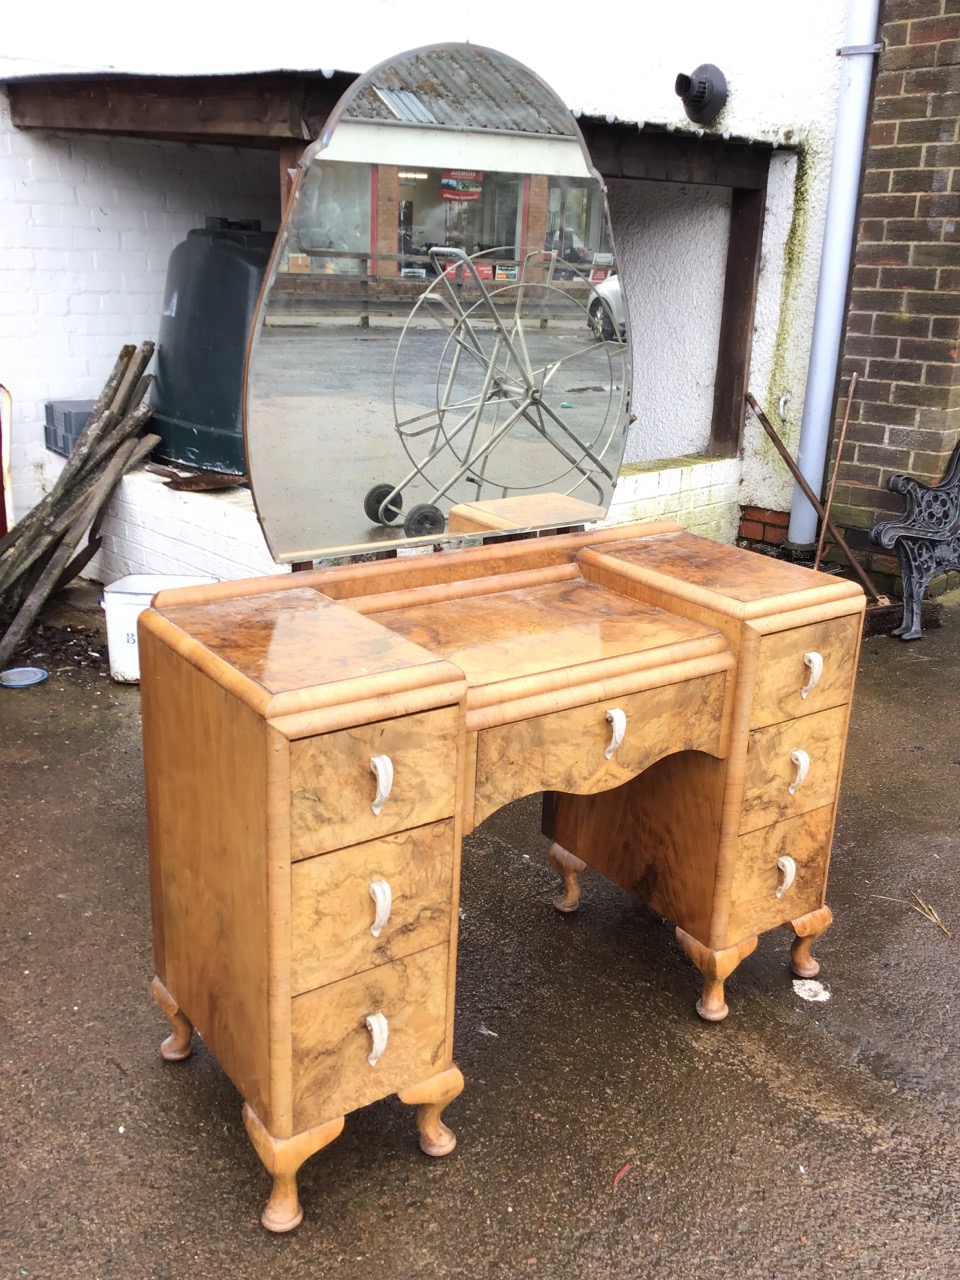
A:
{"points": [[258, 110], [736, 321], [623, 151]]}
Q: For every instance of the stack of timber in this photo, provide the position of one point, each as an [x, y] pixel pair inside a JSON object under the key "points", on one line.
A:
{"points": [[39, 554]]}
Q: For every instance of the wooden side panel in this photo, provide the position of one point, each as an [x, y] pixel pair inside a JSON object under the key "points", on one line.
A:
{"points": [[657, 836], [770, 770], [565, 751], [205, 759], [333, 910], [754, 904], [333, 786], [331, 1041], [782, 673]]}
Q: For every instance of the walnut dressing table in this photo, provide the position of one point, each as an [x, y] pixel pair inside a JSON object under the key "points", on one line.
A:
{"points": [[317, 746]]}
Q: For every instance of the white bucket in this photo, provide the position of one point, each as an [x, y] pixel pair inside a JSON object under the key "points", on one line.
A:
{"points": [[123, 602]]}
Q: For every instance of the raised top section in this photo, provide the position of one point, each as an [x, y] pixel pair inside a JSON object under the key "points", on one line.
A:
{"points": [[289, 651], [428, 333], [752, 581]]}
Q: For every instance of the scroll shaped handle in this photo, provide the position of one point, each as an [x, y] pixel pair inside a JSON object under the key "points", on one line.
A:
{"points": [[789, 869], [814, 661], [382, 896], [382, 767], [802, 761], [377, 1026], [617, 720]]}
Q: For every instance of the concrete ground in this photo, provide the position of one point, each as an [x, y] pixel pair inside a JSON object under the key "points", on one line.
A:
{"points": [[605, 1131]]}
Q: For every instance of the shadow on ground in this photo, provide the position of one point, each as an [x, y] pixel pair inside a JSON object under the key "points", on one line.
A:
{"points": [[604, 1132]]}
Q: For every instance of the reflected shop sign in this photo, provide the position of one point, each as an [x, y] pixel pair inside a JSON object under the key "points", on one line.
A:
{"points": [[461, 185]]}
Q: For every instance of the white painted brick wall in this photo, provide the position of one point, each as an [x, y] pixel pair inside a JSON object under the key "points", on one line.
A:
{"points": [[701, 494], [149, 528], [87, 225], [152, 529]]}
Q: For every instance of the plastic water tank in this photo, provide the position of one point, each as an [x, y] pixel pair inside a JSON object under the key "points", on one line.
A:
{"points": [[213, 280]]}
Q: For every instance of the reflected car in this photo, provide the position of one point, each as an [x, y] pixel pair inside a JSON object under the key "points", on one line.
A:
{"points": [[608, 318]]}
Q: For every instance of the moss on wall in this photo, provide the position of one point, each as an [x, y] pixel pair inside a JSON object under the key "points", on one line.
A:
{"points": [[793, 259]]}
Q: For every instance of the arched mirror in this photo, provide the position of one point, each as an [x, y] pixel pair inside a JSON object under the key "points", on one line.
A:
{"points": [[440, 323]]}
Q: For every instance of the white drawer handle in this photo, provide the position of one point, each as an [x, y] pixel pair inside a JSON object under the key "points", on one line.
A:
{"points": [[382, 766], [380, 893], [802, 761], [814, 661], [617, 720], [789, 869], [377, 1026]]}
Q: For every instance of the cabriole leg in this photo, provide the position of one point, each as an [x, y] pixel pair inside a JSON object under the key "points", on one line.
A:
{"points": [[430, 1098], [569, 867], [808, 930], [716, 967], [283, 1157], [177, 1045]]}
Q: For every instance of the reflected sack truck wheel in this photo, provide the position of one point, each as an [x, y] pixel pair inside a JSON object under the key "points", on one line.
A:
{"points": [[423, 520], [374, 501]]}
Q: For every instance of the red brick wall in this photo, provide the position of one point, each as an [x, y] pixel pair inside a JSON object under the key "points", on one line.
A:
{"points": [[759, 524], [904, 319]]}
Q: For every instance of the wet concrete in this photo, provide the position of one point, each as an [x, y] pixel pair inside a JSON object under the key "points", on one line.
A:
{"points": [[796, 1139]]}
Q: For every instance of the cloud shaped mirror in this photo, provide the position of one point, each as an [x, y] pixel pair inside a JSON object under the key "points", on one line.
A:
{"points": [[430, 331]]}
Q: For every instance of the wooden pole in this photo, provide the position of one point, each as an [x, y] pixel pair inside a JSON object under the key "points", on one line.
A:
{"points": [[813, 499], [127, 456], [836, 467]]}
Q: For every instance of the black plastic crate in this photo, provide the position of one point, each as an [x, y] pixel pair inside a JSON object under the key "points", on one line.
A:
{"points": [[65, 419]]}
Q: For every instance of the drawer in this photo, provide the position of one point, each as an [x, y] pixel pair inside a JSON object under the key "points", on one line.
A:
{"points": [[334, 910], [333, 786], [782, 674], [771, 770], [331, 1041], [566, 750], [754, 905]]}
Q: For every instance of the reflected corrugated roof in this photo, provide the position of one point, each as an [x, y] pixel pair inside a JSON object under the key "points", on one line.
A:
{"points": [[461, 87]]}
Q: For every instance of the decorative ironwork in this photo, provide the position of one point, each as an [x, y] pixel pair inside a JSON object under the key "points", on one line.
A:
{"points": [[926, 537]]}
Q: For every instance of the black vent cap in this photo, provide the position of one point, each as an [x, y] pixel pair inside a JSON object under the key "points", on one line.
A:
{"points": [[703, 92]]}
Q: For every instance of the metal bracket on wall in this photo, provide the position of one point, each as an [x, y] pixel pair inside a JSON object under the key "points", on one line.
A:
{"points": [[850, 50]]}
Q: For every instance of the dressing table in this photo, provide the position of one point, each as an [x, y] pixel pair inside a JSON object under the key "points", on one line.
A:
{"points": [[316, 747]]}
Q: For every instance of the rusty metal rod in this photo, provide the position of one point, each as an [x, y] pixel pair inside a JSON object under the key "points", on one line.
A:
{"points": [[812, 498], [836, 471]]}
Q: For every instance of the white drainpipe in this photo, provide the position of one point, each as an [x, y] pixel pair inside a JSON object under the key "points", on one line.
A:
{"points": [[856, 77]]}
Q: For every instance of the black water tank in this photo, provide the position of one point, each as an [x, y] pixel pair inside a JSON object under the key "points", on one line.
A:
{"points": [[212, 285]]}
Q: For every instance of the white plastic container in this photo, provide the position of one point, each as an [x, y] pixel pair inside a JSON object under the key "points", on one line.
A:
{"points": [[123, 602]]}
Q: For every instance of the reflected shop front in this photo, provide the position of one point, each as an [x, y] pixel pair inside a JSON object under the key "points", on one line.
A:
{"points": [[423, 338]]}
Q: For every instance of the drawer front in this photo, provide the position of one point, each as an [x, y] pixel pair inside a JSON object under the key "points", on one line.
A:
{"points": [[566, 751], [334, 910], [754, 905], [331, 1041], [333, 786], [771, 770], [782, 674]]}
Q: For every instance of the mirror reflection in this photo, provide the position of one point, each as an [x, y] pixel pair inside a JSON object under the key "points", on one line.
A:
{"points": [[439, 323]]}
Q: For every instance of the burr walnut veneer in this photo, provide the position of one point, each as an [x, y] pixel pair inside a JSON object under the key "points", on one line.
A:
{"points": [[316, 747]]}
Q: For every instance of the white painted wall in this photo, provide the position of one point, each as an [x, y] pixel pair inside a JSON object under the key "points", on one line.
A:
{"points": [[672, 246], [622, 60], [86, 227]]}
